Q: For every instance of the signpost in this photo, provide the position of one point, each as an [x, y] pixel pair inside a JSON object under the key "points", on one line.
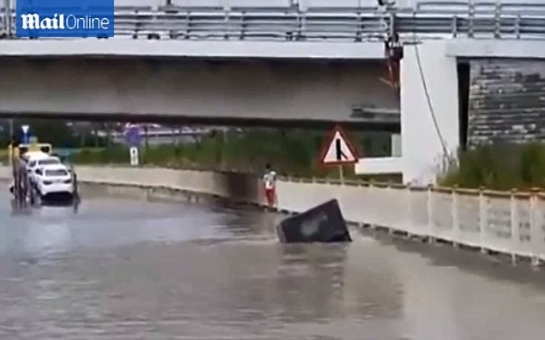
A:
{"points": [[133, 138], [133, 151], [25, 129], [338, 151]]}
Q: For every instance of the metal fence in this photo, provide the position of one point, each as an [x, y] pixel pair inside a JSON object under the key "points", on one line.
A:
{"points": [[426, 20]]}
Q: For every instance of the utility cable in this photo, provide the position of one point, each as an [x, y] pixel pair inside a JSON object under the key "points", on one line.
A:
{"points": [[430, 105], [446, 153]]}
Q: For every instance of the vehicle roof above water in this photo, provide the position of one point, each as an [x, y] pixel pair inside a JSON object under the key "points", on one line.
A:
{"points": [[40, 158], [54, 167]]}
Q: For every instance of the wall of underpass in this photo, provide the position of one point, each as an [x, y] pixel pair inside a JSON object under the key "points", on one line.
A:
{"points": [[181, 88], [506, 101], [506, 222]]}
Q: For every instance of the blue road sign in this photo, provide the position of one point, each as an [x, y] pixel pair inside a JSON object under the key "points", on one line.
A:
{"points": [[25, 129], [133, 136]]}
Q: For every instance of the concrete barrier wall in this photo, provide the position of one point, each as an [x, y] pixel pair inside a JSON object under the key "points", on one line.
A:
{"points": [[239, 187], [235, 186], [511, 223]]}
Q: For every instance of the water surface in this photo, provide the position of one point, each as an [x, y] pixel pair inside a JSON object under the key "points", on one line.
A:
{"points": [[130, 269]]}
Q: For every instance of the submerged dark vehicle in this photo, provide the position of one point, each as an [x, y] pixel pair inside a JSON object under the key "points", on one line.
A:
{"points": [[323, 223]]}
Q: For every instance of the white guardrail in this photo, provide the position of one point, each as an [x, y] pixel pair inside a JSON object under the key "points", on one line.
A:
{"points": [[508, 222], [505, 222], [428, 19]]}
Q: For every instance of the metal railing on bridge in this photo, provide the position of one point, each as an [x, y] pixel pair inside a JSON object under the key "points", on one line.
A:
{"points": [[428, 19]]}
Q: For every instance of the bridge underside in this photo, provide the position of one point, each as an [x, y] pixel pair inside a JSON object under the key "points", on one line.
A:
{"points": [[243, 92], [387, 125]]}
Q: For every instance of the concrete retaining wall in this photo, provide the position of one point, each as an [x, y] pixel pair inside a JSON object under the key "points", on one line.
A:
{"points": [[506, 101], [238, 187], [505, 222]]}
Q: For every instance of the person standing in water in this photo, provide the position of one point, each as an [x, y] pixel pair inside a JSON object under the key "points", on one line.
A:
{"points": [[269, 184]]}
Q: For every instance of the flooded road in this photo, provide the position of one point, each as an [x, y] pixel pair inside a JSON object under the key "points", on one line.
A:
{"points": [[129, 269]]}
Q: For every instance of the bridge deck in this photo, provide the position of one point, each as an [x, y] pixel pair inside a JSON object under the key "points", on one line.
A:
{"points": [[191, 49], [513, 20]]}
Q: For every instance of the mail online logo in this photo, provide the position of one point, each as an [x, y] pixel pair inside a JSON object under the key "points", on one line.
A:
{"points": [[64, 18]]}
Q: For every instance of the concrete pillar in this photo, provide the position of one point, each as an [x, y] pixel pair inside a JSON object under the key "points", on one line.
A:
{"points": [[396, 145], [424, 131]]}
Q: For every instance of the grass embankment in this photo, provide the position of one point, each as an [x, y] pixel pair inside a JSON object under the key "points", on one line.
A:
{"points": [[499, 167], [291, 154]]}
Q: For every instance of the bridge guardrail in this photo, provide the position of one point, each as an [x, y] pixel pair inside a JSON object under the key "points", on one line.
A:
{"points": [[426, 20]]}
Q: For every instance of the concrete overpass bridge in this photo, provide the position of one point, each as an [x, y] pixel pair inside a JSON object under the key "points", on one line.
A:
{"points": [[297, 63]]}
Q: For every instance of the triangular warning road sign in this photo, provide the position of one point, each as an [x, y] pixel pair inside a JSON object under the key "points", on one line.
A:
{"points": [[338, 150]]}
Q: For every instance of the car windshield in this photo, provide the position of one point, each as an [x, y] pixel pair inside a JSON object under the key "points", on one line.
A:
{"points": [[56, 173], [48, 161]]}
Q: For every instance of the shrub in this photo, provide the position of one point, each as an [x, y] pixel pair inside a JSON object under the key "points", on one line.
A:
{"points": [[500, 167]]}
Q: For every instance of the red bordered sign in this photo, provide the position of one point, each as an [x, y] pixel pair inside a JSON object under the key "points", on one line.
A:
{"points": [[338, 150]]}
